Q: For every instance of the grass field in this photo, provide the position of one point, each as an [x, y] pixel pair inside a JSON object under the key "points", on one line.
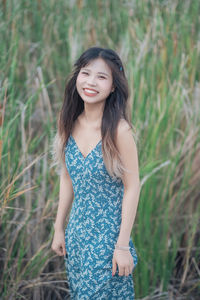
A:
{"points": [[159, 43]]}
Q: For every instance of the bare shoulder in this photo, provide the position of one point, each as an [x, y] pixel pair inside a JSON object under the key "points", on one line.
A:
{"points": [[123, 126], [128, 152], [124, 134], [125, 141]]}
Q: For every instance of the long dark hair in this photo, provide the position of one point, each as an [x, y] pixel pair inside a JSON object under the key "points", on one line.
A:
{"points": [[116, 108]]}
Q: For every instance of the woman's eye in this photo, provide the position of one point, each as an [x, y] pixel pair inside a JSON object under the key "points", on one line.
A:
{"points": [[102, 77]]}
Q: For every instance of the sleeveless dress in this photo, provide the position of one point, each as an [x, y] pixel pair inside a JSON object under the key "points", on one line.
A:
{"points": [[93, 229]]}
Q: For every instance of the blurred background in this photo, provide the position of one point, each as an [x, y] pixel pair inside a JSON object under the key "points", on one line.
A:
{"points": [[159, 44]]}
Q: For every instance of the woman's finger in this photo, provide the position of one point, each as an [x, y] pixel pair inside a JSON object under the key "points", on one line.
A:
{"points": [[130, 270], [133, 265], [60, 251], [64, 249], [127, 271], [114, 267], [121, 271]]}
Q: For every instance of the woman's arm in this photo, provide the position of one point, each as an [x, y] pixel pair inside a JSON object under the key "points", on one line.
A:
{"points": [[128, 151], [66, 196]]}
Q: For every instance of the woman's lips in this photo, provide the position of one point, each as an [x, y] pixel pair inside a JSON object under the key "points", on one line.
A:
{"points": [[90, 93]]}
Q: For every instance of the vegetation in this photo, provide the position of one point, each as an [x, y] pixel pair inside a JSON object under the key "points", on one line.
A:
{"points": [[159, 44]]}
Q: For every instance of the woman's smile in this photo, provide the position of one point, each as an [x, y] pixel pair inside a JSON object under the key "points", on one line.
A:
{"points": [[90, 92]]}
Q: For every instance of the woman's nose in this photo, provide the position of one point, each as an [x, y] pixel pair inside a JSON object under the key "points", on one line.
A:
{"points": [[91, 81]]}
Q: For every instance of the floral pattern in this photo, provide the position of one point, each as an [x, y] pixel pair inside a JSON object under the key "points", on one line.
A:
{"points": [[93, 228]]}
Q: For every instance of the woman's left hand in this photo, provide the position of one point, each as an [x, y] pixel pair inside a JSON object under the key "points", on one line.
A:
{"points": [[124, 260]]}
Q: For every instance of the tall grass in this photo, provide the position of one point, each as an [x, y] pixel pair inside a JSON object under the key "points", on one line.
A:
{"points": [[159, 44]]}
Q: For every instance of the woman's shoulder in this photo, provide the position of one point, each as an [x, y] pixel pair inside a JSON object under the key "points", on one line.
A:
{"points": [[123, 126], [124, 133]]}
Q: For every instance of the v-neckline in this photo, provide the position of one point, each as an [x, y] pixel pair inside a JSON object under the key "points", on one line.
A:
{"points": [[84, 157]]}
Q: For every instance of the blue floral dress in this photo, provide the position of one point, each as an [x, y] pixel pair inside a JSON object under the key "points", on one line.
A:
{"points": [[93, 229]]}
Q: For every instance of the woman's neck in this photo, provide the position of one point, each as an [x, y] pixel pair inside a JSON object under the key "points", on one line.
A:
{"points": [[92, 117]]}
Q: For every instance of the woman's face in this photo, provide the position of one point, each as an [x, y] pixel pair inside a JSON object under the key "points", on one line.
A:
{"points": [[94, 82]]}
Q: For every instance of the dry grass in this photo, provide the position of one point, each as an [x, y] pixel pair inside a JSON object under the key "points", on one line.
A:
{"points": [[159, 45]]}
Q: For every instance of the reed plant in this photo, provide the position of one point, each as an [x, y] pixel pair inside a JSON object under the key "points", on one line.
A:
{"points": [[159, 43]]}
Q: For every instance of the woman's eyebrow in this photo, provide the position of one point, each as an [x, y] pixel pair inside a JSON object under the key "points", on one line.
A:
{"points": [[97, 72]]}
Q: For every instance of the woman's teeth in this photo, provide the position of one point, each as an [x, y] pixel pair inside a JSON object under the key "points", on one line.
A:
{"points": [[90, 92]]}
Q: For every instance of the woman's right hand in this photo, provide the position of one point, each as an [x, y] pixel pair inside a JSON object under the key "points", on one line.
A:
{"points": [[58, 244]]}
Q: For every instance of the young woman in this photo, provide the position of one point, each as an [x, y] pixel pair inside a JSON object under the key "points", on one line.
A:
{"points": [[99, 177]]}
